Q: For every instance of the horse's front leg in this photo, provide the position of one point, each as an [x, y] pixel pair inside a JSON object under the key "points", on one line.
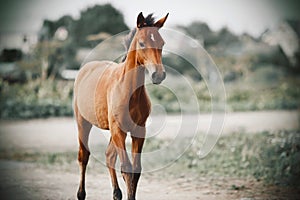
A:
{"points": [[138, 137], [111, 157], [118, 138]]}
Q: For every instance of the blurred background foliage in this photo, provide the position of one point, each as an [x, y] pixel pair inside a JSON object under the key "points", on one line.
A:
{"points": [[259, 73]]}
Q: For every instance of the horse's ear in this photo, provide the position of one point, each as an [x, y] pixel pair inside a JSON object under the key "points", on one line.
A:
{"points": [[161, 22], [140, 20]]}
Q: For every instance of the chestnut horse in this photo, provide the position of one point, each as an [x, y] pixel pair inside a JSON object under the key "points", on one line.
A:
{"points": [[112, 96]]}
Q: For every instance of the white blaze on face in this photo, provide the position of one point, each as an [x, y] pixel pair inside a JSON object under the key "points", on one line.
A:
{"points": [[152, 37], [151, 68]]}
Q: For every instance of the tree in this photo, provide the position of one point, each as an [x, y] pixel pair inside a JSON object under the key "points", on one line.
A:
{"points": [[100, 18], [50, 27], [53, 55]]}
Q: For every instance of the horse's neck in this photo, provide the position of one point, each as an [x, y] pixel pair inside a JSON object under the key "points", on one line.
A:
{"points": [[131, 80], [133, 76]]}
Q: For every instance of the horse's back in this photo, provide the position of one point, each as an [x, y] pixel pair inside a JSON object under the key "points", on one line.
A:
{"points": [[85, 88]]}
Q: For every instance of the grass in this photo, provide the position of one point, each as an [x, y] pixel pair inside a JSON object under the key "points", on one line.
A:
{"points": [[272, 157], [43, 158]]}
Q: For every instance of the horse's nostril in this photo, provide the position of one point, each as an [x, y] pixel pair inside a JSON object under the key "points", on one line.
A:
{"points": [[154, 75], [158, 77]]}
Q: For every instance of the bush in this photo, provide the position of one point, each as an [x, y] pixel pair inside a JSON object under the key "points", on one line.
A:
{"points": [[281, 158], [36, 99], [271, 157]]}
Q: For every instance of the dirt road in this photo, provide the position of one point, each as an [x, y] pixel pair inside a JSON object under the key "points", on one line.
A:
{"points": [[23, 181]]}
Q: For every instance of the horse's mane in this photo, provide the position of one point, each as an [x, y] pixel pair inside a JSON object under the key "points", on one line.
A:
{"points": [[149, 22]]}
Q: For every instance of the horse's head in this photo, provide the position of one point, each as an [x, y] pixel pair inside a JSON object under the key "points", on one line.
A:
{"points": [[149, 44]]}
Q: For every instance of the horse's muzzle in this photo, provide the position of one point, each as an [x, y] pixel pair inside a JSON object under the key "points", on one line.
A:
{"points": [[157, 78]]}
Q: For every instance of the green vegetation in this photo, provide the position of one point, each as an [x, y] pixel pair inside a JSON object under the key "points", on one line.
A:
{"points": [[50, 97], [43, 158], [273, 157], [36, 99]]}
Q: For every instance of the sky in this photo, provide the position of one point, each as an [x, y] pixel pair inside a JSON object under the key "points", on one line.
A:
{"points": [[240, 16]]}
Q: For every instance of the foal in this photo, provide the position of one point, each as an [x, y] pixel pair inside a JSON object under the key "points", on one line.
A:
{"points": [[113, 96]]}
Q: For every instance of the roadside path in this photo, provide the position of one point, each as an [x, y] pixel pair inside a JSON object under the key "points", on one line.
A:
{"points": [[60, 133]]}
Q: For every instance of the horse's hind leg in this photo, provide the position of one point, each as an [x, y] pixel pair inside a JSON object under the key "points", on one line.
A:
{"points": [[111, 157], [84, 128]]}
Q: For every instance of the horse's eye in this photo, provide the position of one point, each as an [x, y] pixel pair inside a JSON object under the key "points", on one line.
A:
{"points": [[142, 45]]}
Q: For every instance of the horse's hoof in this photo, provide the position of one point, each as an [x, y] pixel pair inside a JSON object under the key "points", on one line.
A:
{"points": [[117, 194], [81, 195]]}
